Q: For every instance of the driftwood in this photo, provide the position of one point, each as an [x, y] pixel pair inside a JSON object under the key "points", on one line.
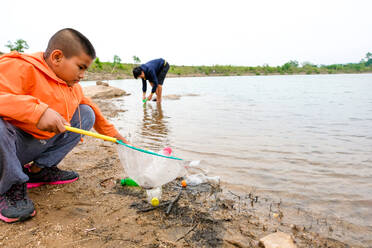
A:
{"points": [[173, 202]]}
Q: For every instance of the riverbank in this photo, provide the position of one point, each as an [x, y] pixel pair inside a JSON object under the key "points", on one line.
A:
{"points": [[97, 76], [112, 71], [96, 211]]}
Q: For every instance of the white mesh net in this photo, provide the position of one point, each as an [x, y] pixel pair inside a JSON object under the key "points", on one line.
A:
{"points": [[150, 171]]}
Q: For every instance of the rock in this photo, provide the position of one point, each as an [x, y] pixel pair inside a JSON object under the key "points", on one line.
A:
{"points": [[100, 91], [172, 97], [102, 83], [278, 240]]}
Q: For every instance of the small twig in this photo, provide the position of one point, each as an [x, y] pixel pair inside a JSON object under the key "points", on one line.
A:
{"points": [[152, 208], [234, 194], [183, 236], [173, 202], [105, 180], [108, 237], [238, 198]]}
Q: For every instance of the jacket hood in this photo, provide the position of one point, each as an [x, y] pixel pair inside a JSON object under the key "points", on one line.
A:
{"points": [[37, 60]]}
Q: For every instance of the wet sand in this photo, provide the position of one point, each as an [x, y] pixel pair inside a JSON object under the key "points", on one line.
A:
{"points": [[96, 211]]}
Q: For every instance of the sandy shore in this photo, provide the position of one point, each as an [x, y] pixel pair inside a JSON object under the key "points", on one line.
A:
{"points": [[96, 211]]}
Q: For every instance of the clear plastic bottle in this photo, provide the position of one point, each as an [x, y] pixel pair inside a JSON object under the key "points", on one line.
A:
{"points": [[154, 192], [196, 179]]}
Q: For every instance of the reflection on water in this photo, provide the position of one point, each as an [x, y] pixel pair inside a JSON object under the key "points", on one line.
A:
{"points": [[154, 127]]}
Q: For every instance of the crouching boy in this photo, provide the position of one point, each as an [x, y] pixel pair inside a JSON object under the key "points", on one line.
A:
{"points": [[40, 94]]}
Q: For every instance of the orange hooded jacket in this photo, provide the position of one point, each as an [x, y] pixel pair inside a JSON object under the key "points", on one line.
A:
{"points": [[28, 87]]}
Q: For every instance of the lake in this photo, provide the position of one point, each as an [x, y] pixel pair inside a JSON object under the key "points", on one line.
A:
{"points": [[305, 140]]}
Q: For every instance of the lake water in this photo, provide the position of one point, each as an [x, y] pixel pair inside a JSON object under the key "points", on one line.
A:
{"points": [[304, 139]]}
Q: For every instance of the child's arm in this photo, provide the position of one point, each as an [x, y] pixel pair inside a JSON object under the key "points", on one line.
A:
{"points": [[52, 121], [101, 125]]}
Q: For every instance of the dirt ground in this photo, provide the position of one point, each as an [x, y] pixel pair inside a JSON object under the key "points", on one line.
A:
{"points": [[96, 211]]}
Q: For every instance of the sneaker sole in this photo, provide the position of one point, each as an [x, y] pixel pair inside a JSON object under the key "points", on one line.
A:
{"points": [[34, 185], [21, 218]]}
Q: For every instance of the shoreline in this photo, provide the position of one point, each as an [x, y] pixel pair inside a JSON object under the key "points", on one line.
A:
{"points": [[101, 76]]}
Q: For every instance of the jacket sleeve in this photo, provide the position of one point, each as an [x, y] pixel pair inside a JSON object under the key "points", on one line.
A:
{"points": [[154, 81], [15, 80], [144, 85], [101, 124]]}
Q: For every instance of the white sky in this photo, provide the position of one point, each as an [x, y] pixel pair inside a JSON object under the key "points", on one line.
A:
{"points": [[200, 32]]}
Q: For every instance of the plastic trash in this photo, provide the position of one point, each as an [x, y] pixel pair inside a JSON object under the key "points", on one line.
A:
{"points": [[128, 182], [154, 193], [196, 179], [194, 167]]}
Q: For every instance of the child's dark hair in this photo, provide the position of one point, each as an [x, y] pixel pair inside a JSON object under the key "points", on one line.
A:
{"points": [[71, 42], [137, 71]]}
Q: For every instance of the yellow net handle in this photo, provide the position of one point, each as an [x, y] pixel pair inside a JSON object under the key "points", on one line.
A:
{"points": [[114, 140], [89, 133]]}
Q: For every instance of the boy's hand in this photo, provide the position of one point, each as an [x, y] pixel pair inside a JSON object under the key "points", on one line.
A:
{"points": [[52, 121], [119, 137]]}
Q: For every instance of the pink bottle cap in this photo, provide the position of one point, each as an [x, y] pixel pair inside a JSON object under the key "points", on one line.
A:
{"points": [[167, 151]]}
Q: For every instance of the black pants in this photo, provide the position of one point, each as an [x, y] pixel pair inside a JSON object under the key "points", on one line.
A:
{"points": [[161, 75]]}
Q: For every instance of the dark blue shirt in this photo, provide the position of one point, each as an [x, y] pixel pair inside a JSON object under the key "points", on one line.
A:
{"points": [[151, 70]]}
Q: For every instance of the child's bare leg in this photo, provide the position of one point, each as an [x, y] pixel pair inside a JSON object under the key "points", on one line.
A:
{"points": [[159, 91]]}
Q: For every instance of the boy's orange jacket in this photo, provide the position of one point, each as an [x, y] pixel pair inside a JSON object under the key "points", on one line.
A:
{"points": [[28, 87]]}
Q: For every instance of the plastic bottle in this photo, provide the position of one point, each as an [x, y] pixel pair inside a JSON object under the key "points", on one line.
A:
{"points": [[196, 179], [128, 182], [157, 192], [153, 193]]}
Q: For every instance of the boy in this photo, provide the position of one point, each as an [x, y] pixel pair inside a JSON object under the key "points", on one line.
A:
{"points": [[39, 94], [154, 71]]}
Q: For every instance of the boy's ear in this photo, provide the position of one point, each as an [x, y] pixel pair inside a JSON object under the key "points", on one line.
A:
{"points": [[56, 56]]}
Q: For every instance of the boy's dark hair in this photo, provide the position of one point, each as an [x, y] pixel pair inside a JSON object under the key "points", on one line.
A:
{"points": [[71, 42], [137, 71]]}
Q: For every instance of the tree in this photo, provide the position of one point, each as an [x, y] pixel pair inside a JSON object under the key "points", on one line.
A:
{"points": [[136, 60], [369, 56], [293, 63], [117, 60], [369, 59], [290, 65], [98, 63], [19, 45]]}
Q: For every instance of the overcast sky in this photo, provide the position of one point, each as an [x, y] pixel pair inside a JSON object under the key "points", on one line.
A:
{"points": [[200, 32]]}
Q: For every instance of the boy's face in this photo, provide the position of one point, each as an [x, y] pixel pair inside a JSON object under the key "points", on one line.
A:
{"points": [[71, 70], [142, 75]]}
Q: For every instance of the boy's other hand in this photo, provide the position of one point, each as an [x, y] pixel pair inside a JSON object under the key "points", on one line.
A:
{"points": [[52, 121]]}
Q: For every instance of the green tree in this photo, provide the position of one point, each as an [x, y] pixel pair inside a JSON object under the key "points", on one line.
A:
{"points": [[117, 61], [369, 59], [136, 60], [98, 63], [19, 45], [369, 56]]}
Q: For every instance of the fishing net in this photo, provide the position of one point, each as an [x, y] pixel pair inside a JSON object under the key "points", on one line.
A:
{"points": [[148, 170]]}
